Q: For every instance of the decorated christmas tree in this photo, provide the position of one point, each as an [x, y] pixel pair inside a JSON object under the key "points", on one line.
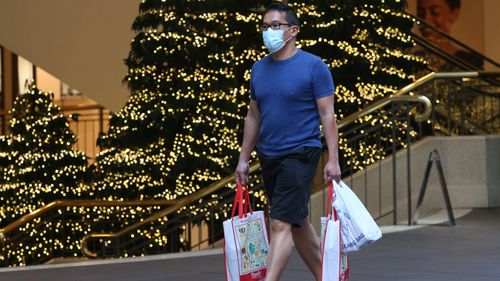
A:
{"points": [[189, 68], [178, 131], [38, 162]]}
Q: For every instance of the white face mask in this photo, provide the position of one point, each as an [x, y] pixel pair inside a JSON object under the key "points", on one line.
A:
{"points": [[273, 39]]}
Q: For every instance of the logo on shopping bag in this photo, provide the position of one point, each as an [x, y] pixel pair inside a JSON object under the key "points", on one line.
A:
{"points": [[353, 243], [256, 274], [361, 236]]}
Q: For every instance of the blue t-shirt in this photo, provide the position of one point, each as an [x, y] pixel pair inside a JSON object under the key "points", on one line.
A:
{"points": [[286, 92]]}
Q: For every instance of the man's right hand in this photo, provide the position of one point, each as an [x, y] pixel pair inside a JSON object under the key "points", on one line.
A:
{"points": [[241, 173]]}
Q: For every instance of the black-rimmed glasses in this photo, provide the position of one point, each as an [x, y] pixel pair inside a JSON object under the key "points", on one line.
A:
{"points": [[274, 26]]}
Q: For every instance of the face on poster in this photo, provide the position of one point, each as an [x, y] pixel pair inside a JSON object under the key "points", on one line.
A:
{"points": [[459, 19], [441, 14]]}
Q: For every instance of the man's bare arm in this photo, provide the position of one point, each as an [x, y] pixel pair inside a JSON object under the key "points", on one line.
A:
{"points": [[250, 134], [330, 130]]}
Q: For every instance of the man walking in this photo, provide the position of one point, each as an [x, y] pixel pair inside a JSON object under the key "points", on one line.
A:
{"points": [[291, 92]]}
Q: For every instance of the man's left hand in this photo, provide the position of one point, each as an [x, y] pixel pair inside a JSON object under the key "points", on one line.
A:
{"points": [[332, 171]]}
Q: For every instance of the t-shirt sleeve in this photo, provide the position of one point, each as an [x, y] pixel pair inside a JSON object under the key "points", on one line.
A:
{"points": [[322, 80]]}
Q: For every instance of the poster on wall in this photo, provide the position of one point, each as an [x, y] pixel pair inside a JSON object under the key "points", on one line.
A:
{"points": [[454, 27], [25, 74]]}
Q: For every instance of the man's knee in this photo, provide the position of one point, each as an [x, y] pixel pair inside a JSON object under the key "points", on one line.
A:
{"points": [[279, 226], [303, 227]]}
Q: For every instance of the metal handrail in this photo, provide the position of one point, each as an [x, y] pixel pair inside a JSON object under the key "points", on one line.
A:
{"points": [[78, 203], [407, 90], [68, 108], [82, 107]]}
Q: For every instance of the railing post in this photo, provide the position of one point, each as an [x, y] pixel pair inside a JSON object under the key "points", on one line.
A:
{"points": [[117, 247], [189, 234], [435, 98], [103, 248], [408, 161], [394, 170], [52, 235], [365, 177], [171, 240], [448, 107], [211, 234], [462, 111]]}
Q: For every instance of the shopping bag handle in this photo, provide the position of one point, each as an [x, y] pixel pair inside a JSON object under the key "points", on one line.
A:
{"points": [[246, 201], [329, 207], [241, 200], [237, 199]]}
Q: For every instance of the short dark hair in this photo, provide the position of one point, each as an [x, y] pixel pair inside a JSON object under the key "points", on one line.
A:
{"points": [[453, 4], [290, 15]]}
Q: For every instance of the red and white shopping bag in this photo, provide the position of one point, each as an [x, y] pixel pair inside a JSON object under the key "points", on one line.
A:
{"points": [[334, 264], [246, 241]]}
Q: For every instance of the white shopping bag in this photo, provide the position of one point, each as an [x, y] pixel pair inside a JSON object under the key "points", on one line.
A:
{"points": [[334, 264], [246, 241], [358, 227]]}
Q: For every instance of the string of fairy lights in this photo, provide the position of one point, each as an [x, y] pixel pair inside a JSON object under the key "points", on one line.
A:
{"points": [[188, 73]]}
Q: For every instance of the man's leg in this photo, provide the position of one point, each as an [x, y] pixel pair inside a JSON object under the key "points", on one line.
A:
{"points": [[307, 244], [281, 249]]}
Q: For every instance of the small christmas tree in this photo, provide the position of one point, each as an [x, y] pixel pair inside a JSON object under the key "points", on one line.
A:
{"points": [[38, 162]]}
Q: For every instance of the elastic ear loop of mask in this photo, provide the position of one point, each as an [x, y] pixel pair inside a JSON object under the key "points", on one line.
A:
{"points": [[291, 36]]}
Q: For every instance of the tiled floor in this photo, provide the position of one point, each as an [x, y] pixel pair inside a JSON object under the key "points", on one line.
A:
{"points": [[468, 251]]}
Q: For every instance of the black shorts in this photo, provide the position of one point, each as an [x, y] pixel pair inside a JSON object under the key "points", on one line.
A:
{"points": [[288, 182]]}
